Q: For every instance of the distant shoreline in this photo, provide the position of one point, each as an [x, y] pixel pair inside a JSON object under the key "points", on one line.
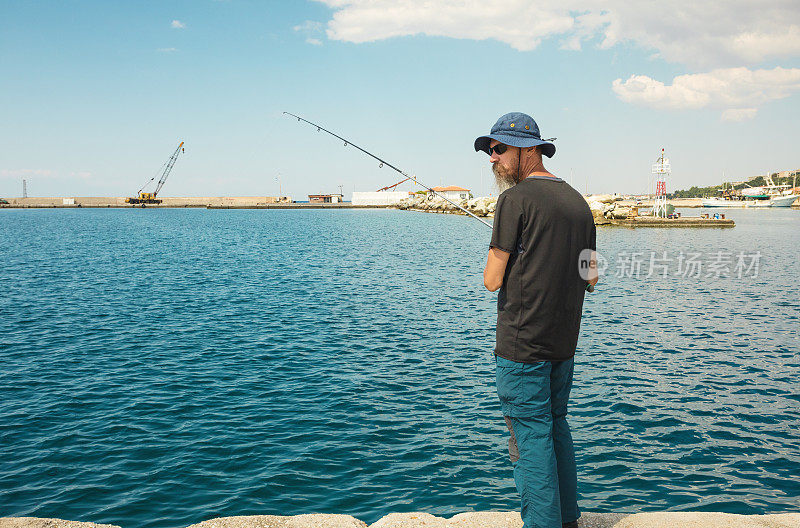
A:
{"points": [[244, 202], [205, 202]]}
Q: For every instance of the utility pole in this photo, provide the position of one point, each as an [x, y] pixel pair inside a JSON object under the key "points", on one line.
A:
{"points": [[24, 188], [280, 192]]}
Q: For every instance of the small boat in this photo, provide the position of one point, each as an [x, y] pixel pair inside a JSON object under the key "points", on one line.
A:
{"points": [[784, 201], [721, 202], [770, 195], [774, 201]]}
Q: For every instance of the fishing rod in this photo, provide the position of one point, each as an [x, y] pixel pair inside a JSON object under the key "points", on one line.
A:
{"points": [[383, 162], [347, 142]]}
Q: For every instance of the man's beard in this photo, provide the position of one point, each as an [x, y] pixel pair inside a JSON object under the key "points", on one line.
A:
{"points": [[505, 177]]}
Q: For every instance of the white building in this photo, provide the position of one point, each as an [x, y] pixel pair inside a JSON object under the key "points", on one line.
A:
{"points": [[379, 197], [453, 192], [325, 198]]}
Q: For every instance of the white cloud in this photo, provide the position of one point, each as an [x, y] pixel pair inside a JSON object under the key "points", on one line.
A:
{"points": [[696, 33], [312, 30], [739, 114], [519, 23], [167, 50], [738, 90], [708, 34], [309, 26], [721, 37], [177, 24]]}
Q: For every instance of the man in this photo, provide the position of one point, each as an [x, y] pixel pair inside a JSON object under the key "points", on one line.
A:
{"points": [[542, 227]]}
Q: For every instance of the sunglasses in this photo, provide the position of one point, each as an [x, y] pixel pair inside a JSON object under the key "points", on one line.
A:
{"points": [[498, 149]]}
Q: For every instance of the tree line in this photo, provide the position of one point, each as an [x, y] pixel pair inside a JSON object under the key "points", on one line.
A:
{"points": [[714, 190]]}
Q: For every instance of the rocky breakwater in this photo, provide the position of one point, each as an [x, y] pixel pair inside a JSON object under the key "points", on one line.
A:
{"points": [[607, 209], [604, 207], [435, 204]]}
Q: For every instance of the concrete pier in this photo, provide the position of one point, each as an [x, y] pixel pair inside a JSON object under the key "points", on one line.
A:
{"points": [[684, 221], [344, 205], [462, 520], [207, 202], [119, 201]]}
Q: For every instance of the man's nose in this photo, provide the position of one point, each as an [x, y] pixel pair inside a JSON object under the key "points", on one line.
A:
{"points": [[494, 157]]}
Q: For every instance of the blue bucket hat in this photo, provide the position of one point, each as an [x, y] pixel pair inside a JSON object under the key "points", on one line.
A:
{"points": [[516, 130]]}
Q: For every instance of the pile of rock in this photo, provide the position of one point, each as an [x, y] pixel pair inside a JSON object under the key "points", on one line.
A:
{"points": [[604, 207], [432, 203]]}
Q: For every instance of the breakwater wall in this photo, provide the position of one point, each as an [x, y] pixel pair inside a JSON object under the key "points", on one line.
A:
{"points": [[119, 201], [684, 221], [462, 520], [345, 205], [606, 210], [208, 202]]}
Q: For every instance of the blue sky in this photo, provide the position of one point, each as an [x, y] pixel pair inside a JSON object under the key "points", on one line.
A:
{"points": [[95, 95]]}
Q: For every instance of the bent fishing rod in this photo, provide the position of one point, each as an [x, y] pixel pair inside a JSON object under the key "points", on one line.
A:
{"points": [[383, 162], [347, 143]]}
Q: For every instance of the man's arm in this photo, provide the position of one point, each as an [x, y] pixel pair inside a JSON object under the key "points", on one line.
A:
{"points": [[495, 269]]}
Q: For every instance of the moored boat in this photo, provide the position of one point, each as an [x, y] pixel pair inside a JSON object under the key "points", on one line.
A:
{"points": [[720, 202], [783, 201]]}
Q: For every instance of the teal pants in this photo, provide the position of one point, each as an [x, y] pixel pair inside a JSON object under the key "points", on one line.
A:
{"points": [[533, 398]]}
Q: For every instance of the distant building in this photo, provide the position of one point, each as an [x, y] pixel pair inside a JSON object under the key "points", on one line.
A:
{"points": [[325, 198], [379, 197], [453, 192]]}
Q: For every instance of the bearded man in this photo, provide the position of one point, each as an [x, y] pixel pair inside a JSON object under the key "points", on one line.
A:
{"points": [[542, 228]]}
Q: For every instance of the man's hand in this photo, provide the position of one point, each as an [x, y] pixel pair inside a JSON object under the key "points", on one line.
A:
{"points": [[495, 269], [593, 274]]}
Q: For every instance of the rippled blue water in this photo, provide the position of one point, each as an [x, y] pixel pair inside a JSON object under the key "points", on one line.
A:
{"points": [[162, 367]]}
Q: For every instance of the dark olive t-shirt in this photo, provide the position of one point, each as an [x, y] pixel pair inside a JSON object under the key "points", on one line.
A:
{"points": [[545, 224]]}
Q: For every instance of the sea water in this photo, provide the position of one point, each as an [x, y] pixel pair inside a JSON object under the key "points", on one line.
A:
{"points": [[160, 367]]}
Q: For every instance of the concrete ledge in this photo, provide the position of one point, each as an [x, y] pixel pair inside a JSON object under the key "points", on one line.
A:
{"points": [[595, 520], [316, 520], [710, 519], [462, 520]]}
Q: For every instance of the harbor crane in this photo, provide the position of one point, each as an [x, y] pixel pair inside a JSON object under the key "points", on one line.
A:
{"points": [[150, 198], [393, 187]]}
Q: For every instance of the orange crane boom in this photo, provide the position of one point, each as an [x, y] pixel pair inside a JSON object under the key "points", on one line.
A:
{"points": [[393, 186]]}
